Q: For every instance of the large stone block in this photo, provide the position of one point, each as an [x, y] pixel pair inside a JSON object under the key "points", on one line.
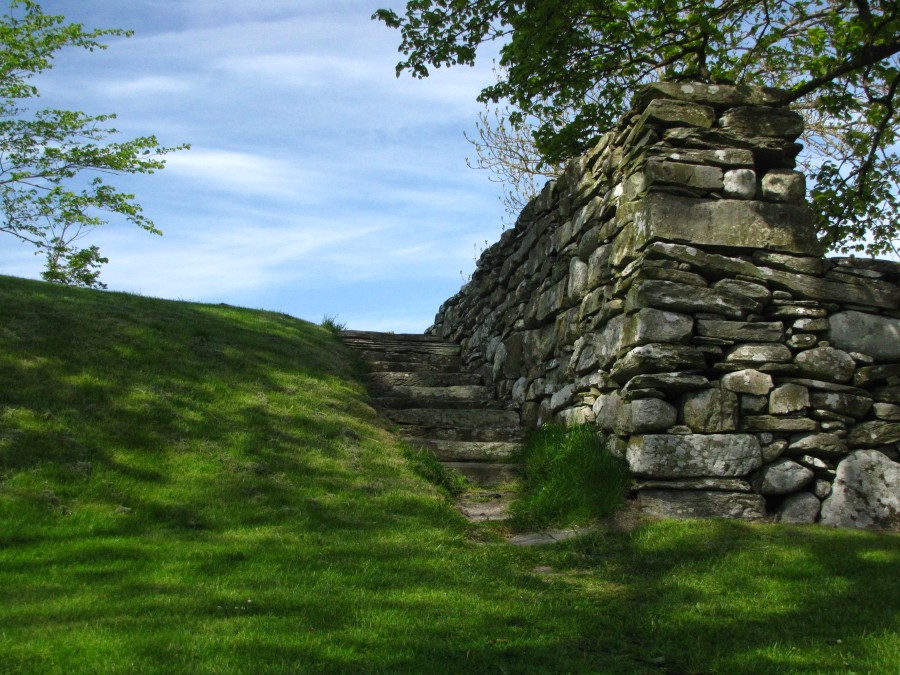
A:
{"points": [[872, 334], [681, 504], [717, 96], [866, 493], [736, 223], [693, 455], [688, 298], [657, 358]]}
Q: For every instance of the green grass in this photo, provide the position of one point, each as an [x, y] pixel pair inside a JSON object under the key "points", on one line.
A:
{"points": [[570, 478], [204, 489]]}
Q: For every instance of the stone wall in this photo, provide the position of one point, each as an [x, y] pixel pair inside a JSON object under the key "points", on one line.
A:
{"points": [[670, 289]]}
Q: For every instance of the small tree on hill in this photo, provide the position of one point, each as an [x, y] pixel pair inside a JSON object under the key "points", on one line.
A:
{"points": [[53, 162]]}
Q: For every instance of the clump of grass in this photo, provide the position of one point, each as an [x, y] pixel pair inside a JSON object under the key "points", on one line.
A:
{"points": [[426, 465], [570, 478], [331, 323]]}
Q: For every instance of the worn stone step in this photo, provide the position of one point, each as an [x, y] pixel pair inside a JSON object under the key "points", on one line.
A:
{"points": [[394, 348], [385, 403], [377, 382], [457, 392], [373, 336], [415, 433], [410, 367], [411, 357], [486, 474], [485, 505], [461, 396], [468, 451], [462, 419]]}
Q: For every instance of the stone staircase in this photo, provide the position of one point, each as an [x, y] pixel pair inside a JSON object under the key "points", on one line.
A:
{"points": [[418, 382]]}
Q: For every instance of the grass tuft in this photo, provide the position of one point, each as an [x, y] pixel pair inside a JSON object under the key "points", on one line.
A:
{"points": [[330, 322], [426, 465], [570, 478]]}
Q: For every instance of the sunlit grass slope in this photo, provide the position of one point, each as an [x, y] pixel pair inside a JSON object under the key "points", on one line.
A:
{"points": [[193, 488]]}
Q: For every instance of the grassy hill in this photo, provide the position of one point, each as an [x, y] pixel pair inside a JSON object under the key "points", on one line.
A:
{"points": [[195, 488]]}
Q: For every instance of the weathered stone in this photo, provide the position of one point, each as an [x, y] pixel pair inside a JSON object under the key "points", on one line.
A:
{"points": [[773, 450], [725, 222], [666, 382], [874, 294], [795, 311], [740, 183], [828, 445], [760, 353], [716, 484], [842, 403], [822, 488], [754, 291], [788, 398], [676, 173], [820, 385], [802, 341], [784, 185], [650, 414], [577, 283], [718, 265], [563, 398], [717, 96], [577, 416], [754, 405], [598, 266], [871, 374], [872, 334], [887, 394], [607, 409], [826, 363], [671, 112], [811, 325], [887, 411], [874, 433], [763, 121], [781, 477], [799, 509], [693, 456], [865, 494], [770, 423], [656, 358], [724, 157], [748, 381], [710, 410], [685, 298], [741, 330], [789, 263], [680, 504], [654, 325]]}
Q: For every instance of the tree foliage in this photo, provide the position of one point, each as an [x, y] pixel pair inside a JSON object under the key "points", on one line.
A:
{"points": [[572, 66], [53, 163]]}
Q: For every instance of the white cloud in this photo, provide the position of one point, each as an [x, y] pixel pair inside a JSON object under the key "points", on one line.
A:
{"points": [[241, 172]]}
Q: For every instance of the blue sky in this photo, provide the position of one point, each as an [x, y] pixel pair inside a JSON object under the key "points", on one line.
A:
{"points": [[317, 183]]}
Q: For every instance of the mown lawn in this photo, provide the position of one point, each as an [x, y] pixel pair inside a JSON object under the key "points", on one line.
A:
{"points": [[194, 488]]}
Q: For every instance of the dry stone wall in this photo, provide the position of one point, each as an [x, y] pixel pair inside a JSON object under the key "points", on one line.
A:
{"points": [[669, 288]]}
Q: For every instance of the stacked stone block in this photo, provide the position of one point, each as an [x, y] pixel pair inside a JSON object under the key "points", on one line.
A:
{"points": [[669, 288]]}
